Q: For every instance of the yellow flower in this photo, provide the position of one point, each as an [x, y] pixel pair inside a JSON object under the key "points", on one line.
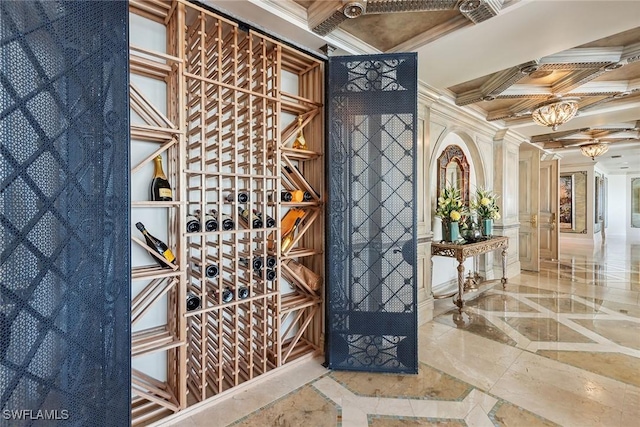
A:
{"points": [[454, 215], [496, 215], [485, 201]]}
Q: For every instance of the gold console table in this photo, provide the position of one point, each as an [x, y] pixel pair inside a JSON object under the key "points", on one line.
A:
{"points": [[462, 252]]}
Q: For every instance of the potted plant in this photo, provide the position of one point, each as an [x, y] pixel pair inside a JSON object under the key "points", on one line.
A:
{"points": [[487, 209], [450, 209]]}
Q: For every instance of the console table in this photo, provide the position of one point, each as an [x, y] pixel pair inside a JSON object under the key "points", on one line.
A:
{"points": [[462, 252]]}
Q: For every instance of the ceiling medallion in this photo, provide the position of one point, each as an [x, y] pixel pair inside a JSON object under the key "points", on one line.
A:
{"points": [[594, 149], [353, 9], [555, 112]]}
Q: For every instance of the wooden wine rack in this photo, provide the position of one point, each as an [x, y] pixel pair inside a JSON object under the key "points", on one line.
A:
{"points": [[229, 129]]}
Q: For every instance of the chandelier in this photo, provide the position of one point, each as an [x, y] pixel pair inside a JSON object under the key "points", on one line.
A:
{"points": [[555, 112], [594, 149]]}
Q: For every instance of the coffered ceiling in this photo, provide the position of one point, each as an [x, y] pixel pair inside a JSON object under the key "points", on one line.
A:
{"points": [[497, 59]]}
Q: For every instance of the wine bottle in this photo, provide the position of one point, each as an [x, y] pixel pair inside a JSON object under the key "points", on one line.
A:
{"points": [[227, 295], [268, 222], [270, 275], [227, 221], [193, 302], [256, 263], [307, 197], [287, 239], [243, 292], [254, 220], [300, 143], [286, 196], [272, 261], [210, 222], [211, 270], [160, 188], [158, 245], [193, 224], [243, 197]]}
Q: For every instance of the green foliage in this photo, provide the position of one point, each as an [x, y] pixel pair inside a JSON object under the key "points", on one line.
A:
{"points": [[485, 204], [450, 206]]}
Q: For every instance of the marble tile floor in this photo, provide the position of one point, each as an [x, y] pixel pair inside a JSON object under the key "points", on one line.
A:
{"points": [[557, 347]]}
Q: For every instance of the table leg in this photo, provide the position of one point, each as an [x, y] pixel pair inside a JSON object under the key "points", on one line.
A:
{"points": [[504, 268], [460, 302]]}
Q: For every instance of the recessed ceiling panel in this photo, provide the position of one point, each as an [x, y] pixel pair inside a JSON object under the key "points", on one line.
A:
{"points": [[388, 30]]}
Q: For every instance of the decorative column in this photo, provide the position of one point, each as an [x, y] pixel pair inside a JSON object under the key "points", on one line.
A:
{"points": [[426, 100], [506, 157]]}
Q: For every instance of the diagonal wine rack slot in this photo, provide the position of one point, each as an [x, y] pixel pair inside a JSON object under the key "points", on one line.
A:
{"points": [[293, 127], [145, 109], [297, 280], [155, 290], [154, 253], [294, 175], [310, 217], [153, 390], [149, 158]]}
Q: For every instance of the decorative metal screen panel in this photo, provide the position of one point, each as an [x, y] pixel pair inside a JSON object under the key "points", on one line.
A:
{"points": [[371, 217], [64, 214]]}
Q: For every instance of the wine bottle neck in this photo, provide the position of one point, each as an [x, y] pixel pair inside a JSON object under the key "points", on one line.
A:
{"points": [[159, 173]]}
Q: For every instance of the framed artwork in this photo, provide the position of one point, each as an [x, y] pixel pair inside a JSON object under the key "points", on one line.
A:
{"points": [[573, 202], [566, 202], [635, 203]]}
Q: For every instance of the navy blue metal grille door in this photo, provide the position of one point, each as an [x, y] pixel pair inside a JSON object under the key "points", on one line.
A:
{"points": [[64, 213], [371, 235]]}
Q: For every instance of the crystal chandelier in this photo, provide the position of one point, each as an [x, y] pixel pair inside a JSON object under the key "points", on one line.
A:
{"points": [[555, 112], [594, 149]]}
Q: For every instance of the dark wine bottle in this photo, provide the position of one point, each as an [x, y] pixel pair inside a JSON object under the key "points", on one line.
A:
{"points": [[211, 270], [158, 245], [306, 197], [286, 196], [272, 261], [269, 222], [243, 292], [193, 224], [193, 302], [254, 220], [227, 295], [160, 188], [227, 221], [270, 275], [256, 263], [243, 197]]}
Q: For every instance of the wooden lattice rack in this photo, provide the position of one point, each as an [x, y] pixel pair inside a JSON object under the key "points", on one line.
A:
{"points": [[236, 101]]}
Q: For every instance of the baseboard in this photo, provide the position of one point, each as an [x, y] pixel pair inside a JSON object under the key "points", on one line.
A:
{"points": [[425, 311]]}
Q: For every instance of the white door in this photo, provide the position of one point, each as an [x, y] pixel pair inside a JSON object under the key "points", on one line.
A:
{"points": [[548, 220], [529, 207]]}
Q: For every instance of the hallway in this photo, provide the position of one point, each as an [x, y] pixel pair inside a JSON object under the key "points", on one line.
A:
{"points": [[559, 347]]}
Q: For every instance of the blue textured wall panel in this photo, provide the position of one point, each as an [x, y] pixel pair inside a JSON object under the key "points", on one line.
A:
{"points": [[64, 214]]}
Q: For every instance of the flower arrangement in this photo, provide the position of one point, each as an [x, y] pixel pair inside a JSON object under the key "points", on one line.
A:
{"points": [[450, 207], [485, 204]]}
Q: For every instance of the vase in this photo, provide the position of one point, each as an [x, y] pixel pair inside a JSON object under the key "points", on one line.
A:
{"points": [[454, 232], [487, 227], [445, 230]]}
